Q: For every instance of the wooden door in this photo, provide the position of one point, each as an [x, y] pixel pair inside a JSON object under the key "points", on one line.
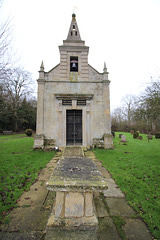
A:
{"points": [[74, 127]]}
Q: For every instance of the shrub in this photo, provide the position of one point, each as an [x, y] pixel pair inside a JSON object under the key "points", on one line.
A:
{"points": [[28, 132], [157, 135], [136, 134]]}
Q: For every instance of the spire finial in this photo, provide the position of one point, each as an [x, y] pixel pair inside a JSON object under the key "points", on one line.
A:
{"points": [[42, 66], [105, 68], [73, 15]]}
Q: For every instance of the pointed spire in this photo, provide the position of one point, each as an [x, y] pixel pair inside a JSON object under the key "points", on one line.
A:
{"points": [[42, 67], [105, 74], [41, 71], [74, 33], [105, 68]]}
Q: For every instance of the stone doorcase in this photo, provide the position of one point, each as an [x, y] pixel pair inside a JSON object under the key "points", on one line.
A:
{"points": [[74, 127], [62, 112], [73, 85]]}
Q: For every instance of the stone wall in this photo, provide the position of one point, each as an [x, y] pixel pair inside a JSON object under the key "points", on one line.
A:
{"points": [[54, 119]]}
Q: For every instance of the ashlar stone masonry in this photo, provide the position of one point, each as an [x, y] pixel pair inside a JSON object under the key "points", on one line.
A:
{"points": [[73, 105]]}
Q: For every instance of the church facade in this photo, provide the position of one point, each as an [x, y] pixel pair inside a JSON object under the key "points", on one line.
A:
{"points": [[73, 106]]}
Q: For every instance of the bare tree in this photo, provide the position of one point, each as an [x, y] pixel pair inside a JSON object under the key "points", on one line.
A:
{"points": [[118, 120], [17, 86], [5, 48], [128, 104], [150, 105], [15, 83]]}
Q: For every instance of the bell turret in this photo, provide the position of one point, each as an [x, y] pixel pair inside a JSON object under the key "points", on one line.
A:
{"points": [[74, 33]]}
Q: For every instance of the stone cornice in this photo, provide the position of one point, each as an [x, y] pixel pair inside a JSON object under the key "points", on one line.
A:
{"points": [[73, 48], [75, 96], [106, 81], [41, 80], [79, 82]]}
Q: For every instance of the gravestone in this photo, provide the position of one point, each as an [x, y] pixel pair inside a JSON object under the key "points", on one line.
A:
{"points": [[123, 138], [150, 137]]}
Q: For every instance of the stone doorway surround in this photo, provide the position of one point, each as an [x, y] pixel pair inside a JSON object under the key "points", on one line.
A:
{"points": [[86, 116], [74, 127]]}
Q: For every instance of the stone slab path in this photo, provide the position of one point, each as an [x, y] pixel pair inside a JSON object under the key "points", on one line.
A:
{"points": [[28, 221]]}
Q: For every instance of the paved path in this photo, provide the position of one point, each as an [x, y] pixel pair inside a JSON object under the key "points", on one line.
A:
{"points": [[28, 221]]}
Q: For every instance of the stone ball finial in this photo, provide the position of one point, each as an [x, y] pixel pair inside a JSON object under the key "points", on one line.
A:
{"points": [[73, 15]]}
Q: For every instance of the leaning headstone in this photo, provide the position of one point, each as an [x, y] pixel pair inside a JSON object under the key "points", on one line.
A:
{"points": [[123, 138]]}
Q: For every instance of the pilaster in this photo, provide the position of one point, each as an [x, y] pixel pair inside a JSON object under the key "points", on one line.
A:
{"points": [[108, 139], [39, 138]]}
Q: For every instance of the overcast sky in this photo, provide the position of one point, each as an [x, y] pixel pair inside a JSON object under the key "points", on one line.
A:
{"points": [[123, 33]]}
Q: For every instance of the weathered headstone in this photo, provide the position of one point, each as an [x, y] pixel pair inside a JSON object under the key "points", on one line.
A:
{"points": [[150, 137], [7, 132], [123, 138]]}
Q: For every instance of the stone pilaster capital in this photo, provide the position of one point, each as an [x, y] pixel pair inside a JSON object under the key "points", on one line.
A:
{"points": [[41, 80], [106, 82]]}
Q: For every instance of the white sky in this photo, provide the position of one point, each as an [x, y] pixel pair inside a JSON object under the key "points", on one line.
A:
{"points": [[123, 33]]}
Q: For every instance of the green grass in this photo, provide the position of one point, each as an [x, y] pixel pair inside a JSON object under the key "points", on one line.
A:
{"points": [[19, 169], [135, 166], [120, 222]]}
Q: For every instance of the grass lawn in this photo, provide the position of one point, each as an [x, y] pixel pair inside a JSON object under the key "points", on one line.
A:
{"points": [[135, 166], [19, 168]]}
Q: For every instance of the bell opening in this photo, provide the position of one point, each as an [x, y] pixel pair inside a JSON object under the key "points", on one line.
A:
{"points": [[73, 64]]}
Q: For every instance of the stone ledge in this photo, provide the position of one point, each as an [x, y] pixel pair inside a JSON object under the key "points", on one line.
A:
{"points": [[76, 174]]}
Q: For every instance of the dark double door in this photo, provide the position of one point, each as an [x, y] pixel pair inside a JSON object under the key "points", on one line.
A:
{"points": [[74, 127]]}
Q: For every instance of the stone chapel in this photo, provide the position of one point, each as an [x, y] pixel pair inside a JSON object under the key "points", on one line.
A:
{"points": [[73, 106]]}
